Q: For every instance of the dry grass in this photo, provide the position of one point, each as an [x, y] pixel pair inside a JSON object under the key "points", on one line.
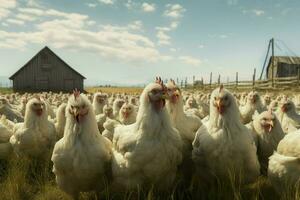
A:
{"points": [[24, 179], [6, 90], [114, 90]]}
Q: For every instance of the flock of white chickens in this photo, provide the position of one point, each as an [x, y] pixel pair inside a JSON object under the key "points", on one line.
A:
{"points": [[126, 141]]}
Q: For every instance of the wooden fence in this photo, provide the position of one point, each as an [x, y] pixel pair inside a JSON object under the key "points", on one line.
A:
{"points": [[278, 83]]}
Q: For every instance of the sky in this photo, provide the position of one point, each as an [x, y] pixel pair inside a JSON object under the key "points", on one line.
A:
{"points": [[129, 42]]}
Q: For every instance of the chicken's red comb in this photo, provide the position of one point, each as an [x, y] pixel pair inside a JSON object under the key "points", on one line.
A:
{"points": [[160, 82], [76, 93]]}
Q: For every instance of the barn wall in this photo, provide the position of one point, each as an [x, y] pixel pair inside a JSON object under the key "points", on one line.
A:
{"points": [[47, 73]]}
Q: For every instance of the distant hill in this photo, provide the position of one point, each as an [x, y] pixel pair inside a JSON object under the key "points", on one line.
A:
{"points": [[4, 81]]}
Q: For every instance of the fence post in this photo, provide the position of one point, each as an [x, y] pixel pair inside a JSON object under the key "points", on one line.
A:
{"points": [[298, 76], [210, 79], [219, 79], [236, 80], [253, 78]]}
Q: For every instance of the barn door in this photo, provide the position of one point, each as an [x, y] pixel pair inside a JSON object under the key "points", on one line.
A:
{"points": [[69, 84], [42, 83]]}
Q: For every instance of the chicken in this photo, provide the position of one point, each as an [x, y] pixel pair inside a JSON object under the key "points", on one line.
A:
{"points": [[36, 136], [60, 120], [226, 146], [253, 103], [109, 128], [101, 118], [284, 171], [99, 101], [127, 114], [147, 152], [10, 113], [287, 115], [5, 146], [81, 159], [187, 125], [267, 133], [118, 103]]}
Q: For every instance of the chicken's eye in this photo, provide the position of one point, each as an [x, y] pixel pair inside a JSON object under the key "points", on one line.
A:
{"points": [[83, 106], [35, 104], [215, 98], [225, 98]]}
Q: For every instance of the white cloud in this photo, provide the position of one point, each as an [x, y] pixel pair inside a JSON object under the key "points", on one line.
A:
{"points": [[72, 31], [108, 2], [201, 46], [6, 6], [25, 17], [163, 38], [190, 60], [136, 25], [91, 5], [258, 12], [223, 36], [173, 49], [232, 2], [174, 11], [33, 3], [146, 7], [15, 21], [129, 4]]}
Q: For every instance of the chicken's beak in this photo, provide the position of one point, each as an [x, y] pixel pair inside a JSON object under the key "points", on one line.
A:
{"points": [[270, 126], [283, 108], [220, 106], [76, 114]]}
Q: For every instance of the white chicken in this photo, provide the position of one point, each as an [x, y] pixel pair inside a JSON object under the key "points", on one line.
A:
{"points": [[253, 104], [127, 114], [5, 146], [101, 118], [118, 103], [227, 146], [60, 120], [267, 133], [284, 171], [147, 152], [81, 159], [288, 116], [187, 125], [36, 136], [99, 101], [10, 113]]}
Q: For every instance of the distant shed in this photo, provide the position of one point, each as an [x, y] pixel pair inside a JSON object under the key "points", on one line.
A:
{"points": [[284, 66], [47, 72]]}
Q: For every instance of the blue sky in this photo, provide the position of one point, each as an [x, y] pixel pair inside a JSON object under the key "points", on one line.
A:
{"points": [[130, 41]]}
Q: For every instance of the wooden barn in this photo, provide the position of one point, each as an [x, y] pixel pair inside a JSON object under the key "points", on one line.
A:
{"points": [[46, 72], [284, 66]]}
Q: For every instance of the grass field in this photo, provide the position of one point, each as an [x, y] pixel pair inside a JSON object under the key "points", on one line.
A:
{"points": [[24, 179], [114, 90], [6, 90]]}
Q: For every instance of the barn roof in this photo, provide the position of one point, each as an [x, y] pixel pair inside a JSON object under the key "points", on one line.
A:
{"points": [[49, 50], [283, 59]]}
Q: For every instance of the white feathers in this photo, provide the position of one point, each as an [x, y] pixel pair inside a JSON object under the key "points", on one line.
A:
{"points": [[148, 151], [36, 136], [82, 157], [225, 138]]}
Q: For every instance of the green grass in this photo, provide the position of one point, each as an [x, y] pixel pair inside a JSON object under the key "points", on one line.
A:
{"points": [[6, 90], [25, 179]]}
